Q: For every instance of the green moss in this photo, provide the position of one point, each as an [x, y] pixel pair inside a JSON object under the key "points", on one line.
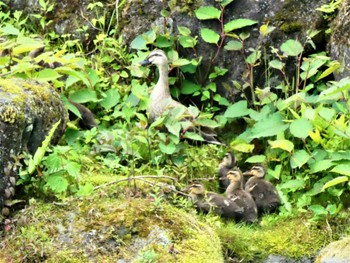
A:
{"points": [[291, 237], [290, 27], [106, 230]]}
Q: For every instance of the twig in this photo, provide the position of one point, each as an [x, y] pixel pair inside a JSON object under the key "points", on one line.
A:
{"points": [[171, 189], [136, 178], [204, 179]]}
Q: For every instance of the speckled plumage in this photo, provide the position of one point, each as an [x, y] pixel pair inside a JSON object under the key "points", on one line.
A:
{"points": [[264, 193], [227, 163], [206, 202], [240, 197]]}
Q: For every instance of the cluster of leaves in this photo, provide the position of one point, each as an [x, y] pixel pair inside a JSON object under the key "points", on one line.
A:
{"points": [[302, 124], [306, 134]]}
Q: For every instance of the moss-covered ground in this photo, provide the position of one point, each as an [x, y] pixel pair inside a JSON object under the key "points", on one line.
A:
{"points": [[141, 224]]}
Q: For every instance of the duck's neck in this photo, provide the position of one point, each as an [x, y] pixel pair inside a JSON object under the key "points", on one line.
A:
{"points": [[233, 186], [161, 90]]}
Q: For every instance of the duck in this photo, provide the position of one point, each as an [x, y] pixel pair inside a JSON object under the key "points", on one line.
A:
{"points": [[241, 198], [264, 193], [160, 99], [227, 163], [206, 202]]}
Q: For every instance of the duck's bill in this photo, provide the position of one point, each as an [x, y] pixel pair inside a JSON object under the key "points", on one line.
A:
{"points": [[145, 62]]}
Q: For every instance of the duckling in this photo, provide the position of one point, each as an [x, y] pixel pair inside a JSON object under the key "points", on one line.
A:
{"points": [[161, 100], [226, 164], [211, 202], [264, 193], [240, 197]]}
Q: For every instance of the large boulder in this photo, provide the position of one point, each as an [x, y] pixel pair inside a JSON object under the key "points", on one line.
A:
{"points": [[338, 251], [108, 230], [28, 110], [339, 44]]}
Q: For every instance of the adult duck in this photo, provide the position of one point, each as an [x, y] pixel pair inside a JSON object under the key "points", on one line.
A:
{"points": [[264, 193], [161, 101]]}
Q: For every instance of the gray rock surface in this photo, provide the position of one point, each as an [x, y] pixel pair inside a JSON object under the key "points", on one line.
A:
{"points": [[335, 252], [28, 110]]}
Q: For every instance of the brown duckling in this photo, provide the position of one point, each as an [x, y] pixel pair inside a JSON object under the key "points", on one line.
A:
{"points": [[206, 202], [240, 197], [227, 163], [264, 193]]}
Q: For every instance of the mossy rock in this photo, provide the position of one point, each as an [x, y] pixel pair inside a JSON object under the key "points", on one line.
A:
{"points": [[338, 251], [95, 230]]}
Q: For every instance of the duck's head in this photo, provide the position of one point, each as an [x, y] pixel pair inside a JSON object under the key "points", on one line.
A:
{"points": [[229, 160], [257, 171], [156, 57], [234, 175], [195, 189]]}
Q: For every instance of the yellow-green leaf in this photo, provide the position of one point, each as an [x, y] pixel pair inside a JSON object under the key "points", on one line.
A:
{"points": [[282, 144]]}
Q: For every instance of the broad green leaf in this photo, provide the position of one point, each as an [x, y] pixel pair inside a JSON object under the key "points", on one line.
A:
{"points": [[210, 36], [208, 12], [299, 158], [343, 169], [300, 128], [335, 91], [238, 23], [194, 111], [169, 148], [193, 136], [57, 183], [226, 2], [321, 165], [206, 123], [318, 209], [233, 45], [238, 109], [84, 95], [47, 75], [243, 147], [180, 62], [75, 74], [256, 159], [294, 184], [189, 87], [277, 64], [270, 126], [335, 181], [276, 173], [253, 57], [185, 31], [9, 30], [327, 113], [292, 47], [110, 99], [141, 41], [187, 41], [311, 67], [163, 42], [174, 128], [72, 168], [85, 190], [282, 144]]}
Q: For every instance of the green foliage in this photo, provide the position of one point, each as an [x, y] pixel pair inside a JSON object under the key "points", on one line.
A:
{"points": [[299, 127]]}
